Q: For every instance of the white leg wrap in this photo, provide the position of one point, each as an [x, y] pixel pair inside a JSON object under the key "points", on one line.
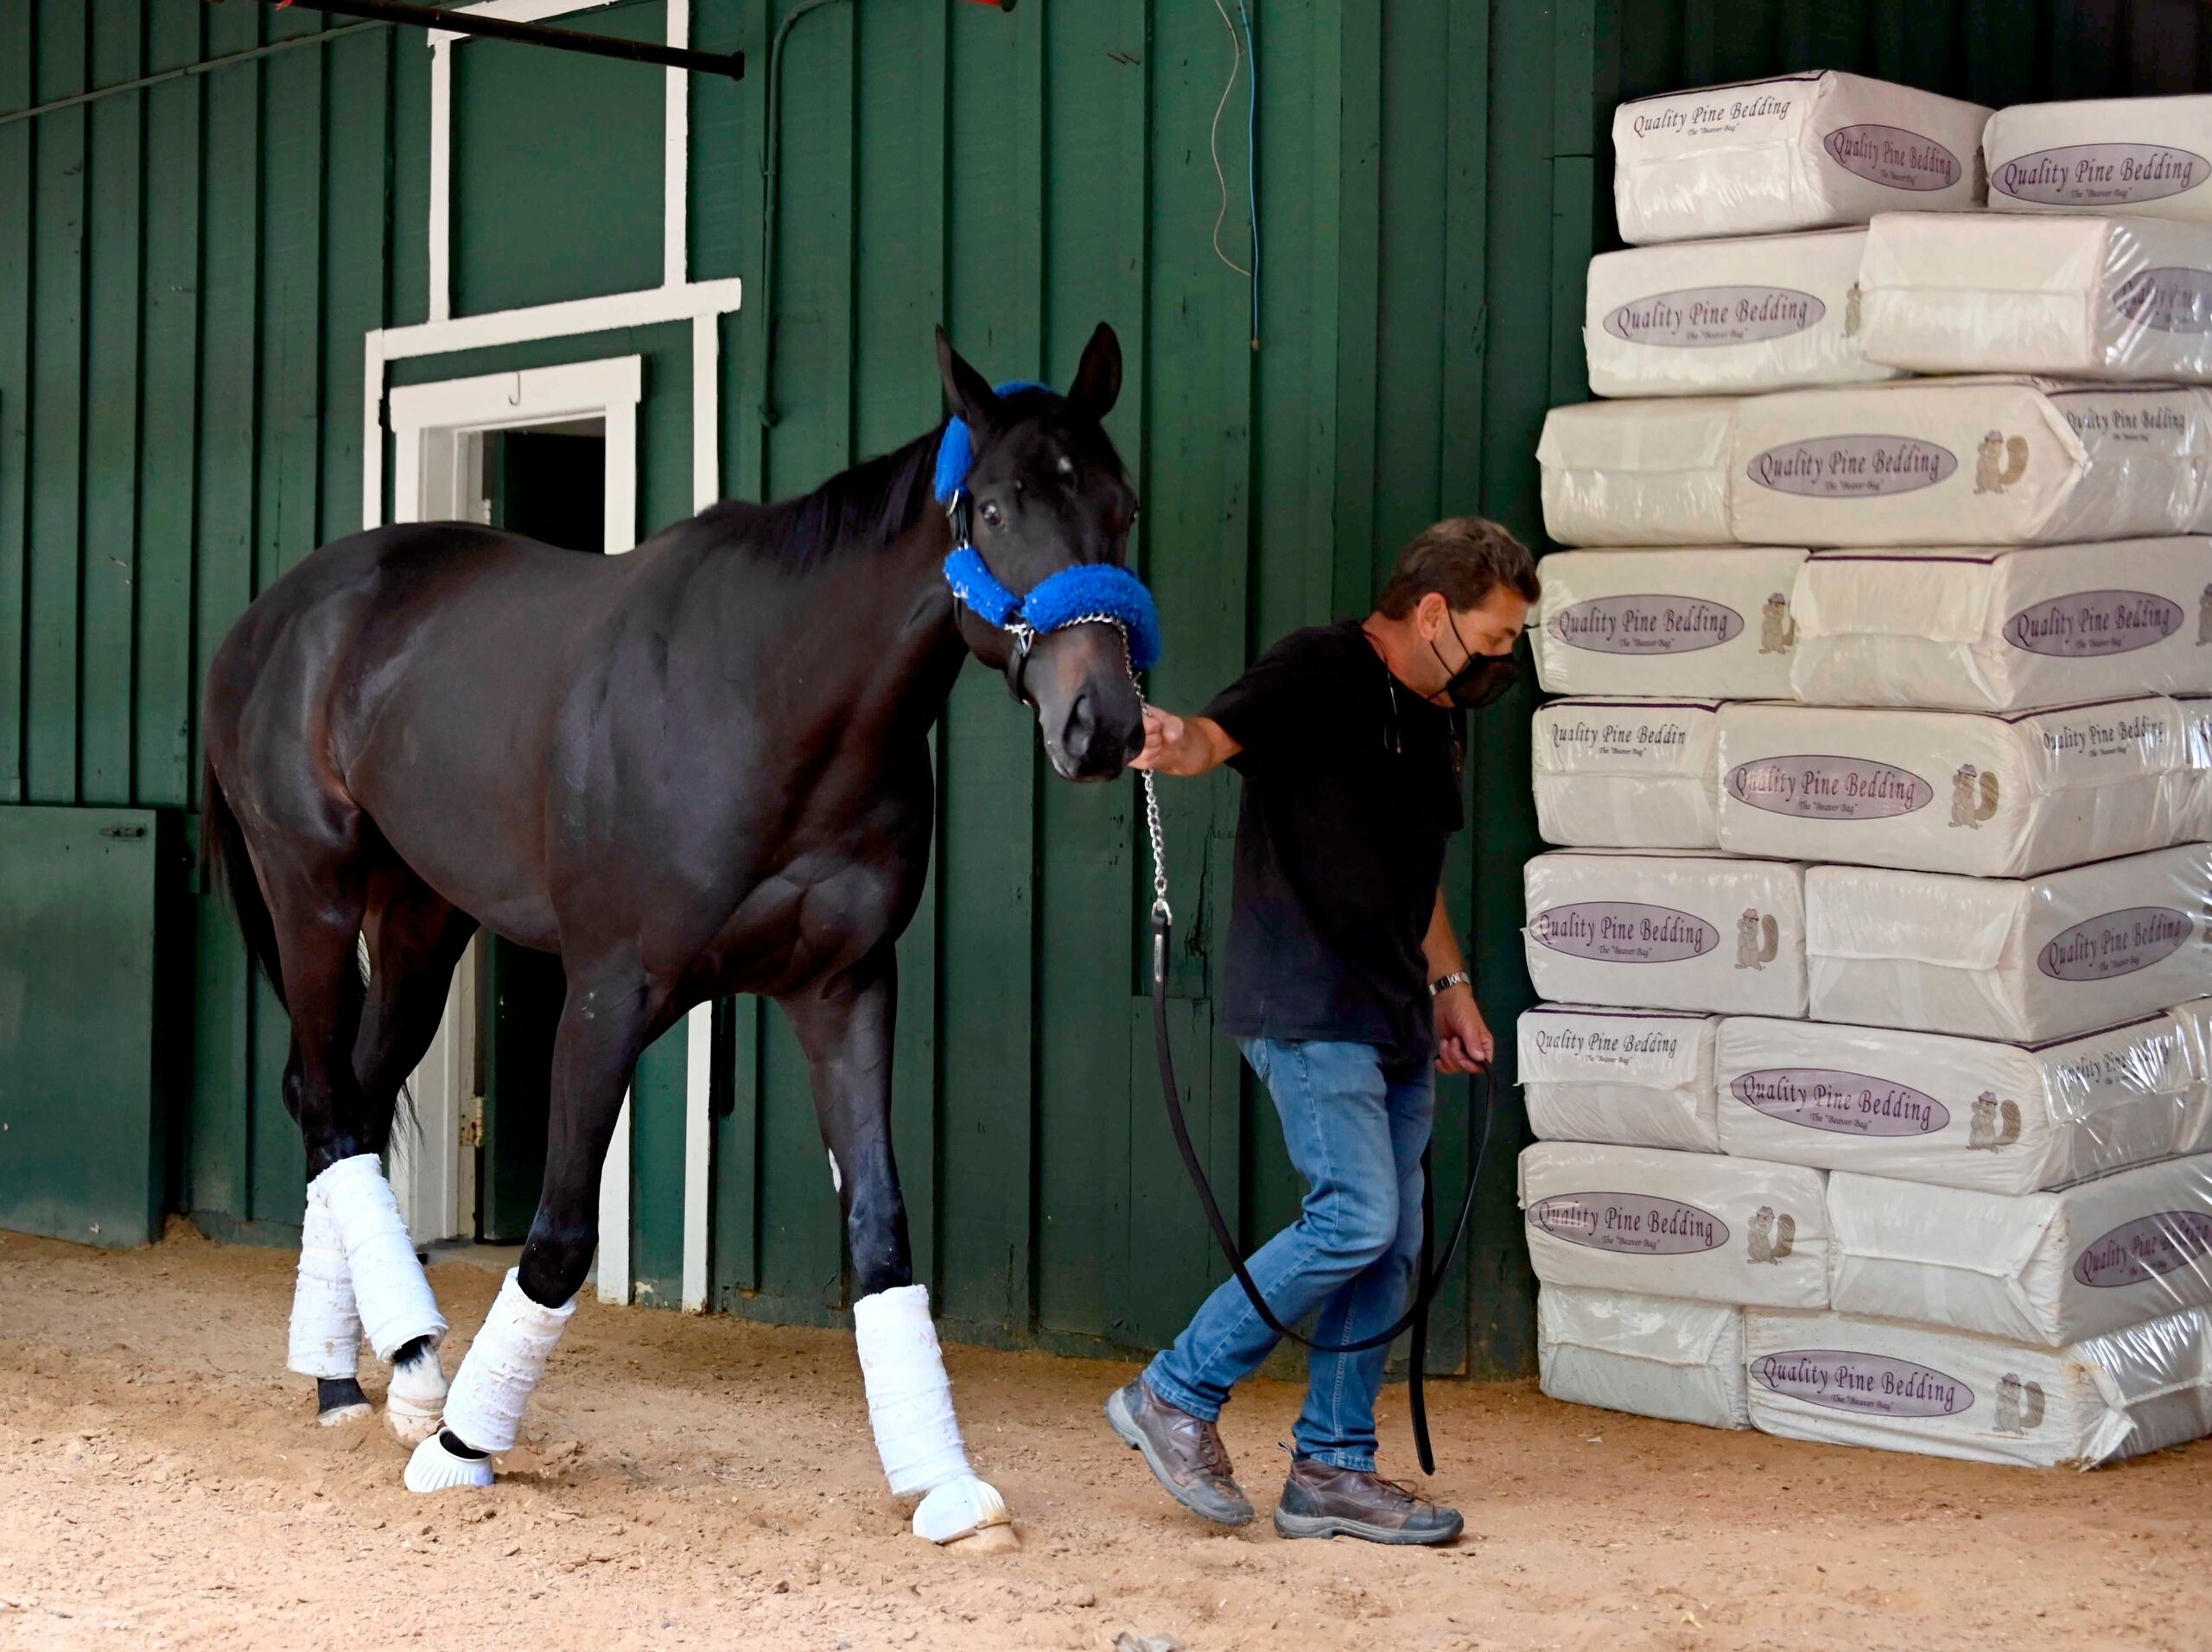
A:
{"points": [[910, 1407], [326, 1338], [504, 1364], [391, 1293]]}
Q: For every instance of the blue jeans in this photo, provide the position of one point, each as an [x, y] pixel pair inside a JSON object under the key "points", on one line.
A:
{"points": [[1355, 1129]]}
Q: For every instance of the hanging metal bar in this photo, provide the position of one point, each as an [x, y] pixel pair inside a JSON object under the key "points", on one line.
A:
{"points": [[731, 64]]}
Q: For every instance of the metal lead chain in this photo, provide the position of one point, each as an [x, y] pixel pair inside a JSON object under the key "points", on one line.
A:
{"points": [[1159, 907], [1161, 912]]}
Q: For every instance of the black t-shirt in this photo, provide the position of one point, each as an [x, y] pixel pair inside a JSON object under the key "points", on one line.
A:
{"points": [[1351, 788]]}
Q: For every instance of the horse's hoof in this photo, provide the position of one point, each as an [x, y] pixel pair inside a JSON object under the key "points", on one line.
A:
{"points": [[339, 1400], [433, 1468], [416, 1400], [967, 1512], [991, 1540], [413, 1427]]}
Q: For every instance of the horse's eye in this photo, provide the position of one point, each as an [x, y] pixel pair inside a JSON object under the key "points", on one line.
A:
{"points": [[993, 515]]}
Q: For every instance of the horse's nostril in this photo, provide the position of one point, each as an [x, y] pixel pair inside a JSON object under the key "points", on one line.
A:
{"points": [[1075, 739]]}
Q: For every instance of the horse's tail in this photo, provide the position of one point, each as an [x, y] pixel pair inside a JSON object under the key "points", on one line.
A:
{"points": [[228, 868]]}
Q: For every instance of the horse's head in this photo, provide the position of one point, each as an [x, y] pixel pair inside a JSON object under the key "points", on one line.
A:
{"points": [[1048, 492]]}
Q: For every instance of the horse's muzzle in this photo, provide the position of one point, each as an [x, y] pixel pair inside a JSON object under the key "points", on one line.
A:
{"points": [[1091, 746]]}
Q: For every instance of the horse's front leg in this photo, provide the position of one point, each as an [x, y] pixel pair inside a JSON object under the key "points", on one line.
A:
{"points": [[845, 1027], [606, 1022]]}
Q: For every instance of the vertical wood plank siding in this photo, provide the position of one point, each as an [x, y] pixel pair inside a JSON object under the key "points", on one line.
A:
{"points": [[187, 272]]}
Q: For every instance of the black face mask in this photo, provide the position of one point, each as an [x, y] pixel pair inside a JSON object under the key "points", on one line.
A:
{"points": [[1481, 679]]}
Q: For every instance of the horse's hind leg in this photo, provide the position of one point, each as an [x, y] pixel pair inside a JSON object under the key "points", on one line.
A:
{"points": [[326, 1329], [606, 1021], [415, 938], [315, 884], [845, 1027]]}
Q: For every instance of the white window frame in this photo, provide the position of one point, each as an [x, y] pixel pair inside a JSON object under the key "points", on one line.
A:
{"points": [[676, 140]]}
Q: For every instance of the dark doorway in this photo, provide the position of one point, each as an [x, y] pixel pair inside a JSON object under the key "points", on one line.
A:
{"points": [[550, 486]]}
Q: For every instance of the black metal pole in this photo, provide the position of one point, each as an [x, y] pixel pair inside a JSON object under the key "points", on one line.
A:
{"points": [[566, 40]]}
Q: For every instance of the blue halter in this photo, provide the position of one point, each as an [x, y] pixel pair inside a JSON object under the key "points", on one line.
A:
{"points": [[1085, 592]]}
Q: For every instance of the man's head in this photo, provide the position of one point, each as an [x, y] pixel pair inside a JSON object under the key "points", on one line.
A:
{"points": [[1455, 606]]}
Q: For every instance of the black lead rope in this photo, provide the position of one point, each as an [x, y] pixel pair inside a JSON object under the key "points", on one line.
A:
{"points": [[1416, 1316]]}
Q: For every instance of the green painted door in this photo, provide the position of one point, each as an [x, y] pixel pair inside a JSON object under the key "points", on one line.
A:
{"points": [[80, 1137]]}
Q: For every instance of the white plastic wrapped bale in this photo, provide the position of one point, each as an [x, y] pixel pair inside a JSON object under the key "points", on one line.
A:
{"points": [[2021, 959], [2196, 1020], [1842, 1379], [2192, 802], [1667, 930], [1638, 1077], [1646, 1354], [1717, 318], [1976, 461], [1924, 1107], [1709, 621], [2116, 298], [1637, 473], [1698, 1225], [1796, 152], [1989, 794], [2048, 1267], [2140, 155], [2000, 629], [1627, 773]]}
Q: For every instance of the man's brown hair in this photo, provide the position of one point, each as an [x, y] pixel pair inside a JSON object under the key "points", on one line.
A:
{"points": [[1464, 558]]}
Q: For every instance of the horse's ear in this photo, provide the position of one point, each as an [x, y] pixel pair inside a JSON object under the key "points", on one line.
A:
{"points": [[1098, 380], [969, 392]]}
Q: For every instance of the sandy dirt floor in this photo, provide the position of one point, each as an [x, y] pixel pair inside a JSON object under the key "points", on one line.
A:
{"points": [[702, 1481]]}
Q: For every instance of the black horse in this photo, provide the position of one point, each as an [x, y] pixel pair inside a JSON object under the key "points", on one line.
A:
{"points": [[698, 769]]}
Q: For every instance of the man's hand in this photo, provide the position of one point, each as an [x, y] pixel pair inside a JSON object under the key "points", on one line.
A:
{"points": [[1463, 1039], [1182, 746]]}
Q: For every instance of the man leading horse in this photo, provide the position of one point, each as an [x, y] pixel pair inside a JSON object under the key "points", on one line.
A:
{"points": [[1344, 984]]}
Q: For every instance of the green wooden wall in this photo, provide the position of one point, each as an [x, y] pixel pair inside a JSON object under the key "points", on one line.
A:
{"points": [[186, 272]]}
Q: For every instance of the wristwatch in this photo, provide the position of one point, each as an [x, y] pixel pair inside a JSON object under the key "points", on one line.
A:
{"points": [[1444, 984]]}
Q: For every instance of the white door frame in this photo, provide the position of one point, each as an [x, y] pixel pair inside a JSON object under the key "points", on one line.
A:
{"points": [[438, 433]]}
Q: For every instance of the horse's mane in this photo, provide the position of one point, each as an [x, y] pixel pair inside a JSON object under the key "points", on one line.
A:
{"points": [[870, 504]]}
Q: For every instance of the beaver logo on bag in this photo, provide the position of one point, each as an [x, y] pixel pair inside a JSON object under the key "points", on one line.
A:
{"points": [[1851, 312], [1772, 1237], [1778, 631], [1758, 940], [2204, 618], [1999, 463], [1972, 802], [1995, 1124], [2019, 1405]]}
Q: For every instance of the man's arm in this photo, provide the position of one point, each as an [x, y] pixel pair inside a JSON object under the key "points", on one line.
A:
{"points": [[1184, 746], [1463, 1039]]}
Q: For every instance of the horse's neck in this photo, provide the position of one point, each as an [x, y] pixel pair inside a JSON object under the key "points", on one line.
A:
{"points": [[872, 641]]}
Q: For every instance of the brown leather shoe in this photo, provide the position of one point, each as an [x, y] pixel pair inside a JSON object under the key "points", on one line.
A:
{"points": [[1322, 1500], [1184, 1452]]}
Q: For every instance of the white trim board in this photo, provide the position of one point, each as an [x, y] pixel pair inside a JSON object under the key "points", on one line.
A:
{"points": [[702, 303]]}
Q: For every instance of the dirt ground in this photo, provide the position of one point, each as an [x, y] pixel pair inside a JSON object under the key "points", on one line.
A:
{"points": [[702, 1482]]}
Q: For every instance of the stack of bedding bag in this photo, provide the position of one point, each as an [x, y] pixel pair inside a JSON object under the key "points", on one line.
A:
{"points": [[1874, 1084]]}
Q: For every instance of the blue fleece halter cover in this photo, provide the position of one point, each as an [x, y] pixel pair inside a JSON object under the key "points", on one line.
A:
{"points": [[1087, 591]]}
